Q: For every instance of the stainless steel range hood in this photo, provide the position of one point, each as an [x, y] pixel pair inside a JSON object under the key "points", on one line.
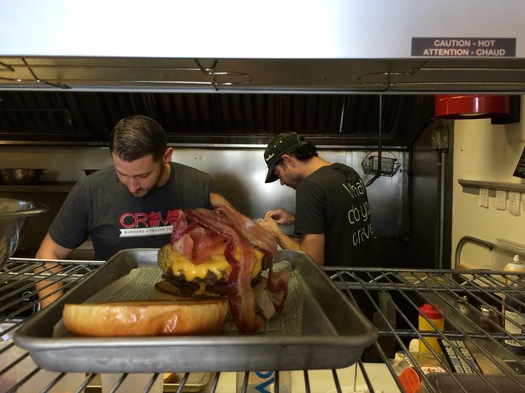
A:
{"points": [[334, 76], [87, 117]]}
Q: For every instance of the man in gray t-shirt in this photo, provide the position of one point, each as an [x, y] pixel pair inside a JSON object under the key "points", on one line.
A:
{"points": [[103, 208], [332, 214], [131, 204]]}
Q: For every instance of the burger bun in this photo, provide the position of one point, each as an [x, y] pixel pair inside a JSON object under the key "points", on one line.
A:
{"points": [[146, 318]]}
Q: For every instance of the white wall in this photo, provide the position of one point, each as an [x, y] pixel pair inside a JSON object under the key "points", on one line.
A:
{"points": [[486, 152]]}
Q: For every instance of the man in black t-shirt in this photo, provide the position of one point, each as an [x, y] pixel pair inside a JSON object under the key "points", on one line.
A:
{"points": [[332, 216]]}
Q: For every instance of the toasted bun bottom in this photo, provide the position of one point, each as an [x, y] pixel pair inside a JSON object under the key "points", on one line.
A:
{"points": [[145, 318]]}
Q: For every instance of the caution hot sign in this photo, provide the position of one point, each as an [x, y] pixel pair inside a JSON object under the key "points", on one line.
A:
{"points": [[464, 47]]}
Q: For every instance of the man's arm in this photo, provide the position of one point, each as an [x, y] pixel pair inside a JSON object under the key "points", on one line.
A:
{"points": [[49, 291], [312, 244]]}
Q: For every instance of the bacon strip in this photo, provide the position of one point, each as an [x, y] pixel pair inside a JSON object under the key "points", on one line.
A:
{"points": [[263, 241], [240, 293], [227, 228], [257, 236], [278, 287], [179, 226]]}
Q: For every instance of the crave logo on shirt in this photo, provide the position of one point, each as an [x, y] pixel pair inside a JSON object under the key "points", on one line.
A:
{"points": [[147, 224], [359, 214]]}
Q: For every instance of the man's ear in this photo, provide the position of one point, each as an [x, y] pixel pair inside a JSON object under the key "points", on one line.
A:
{"points": [[288, 159], [167, 155]]}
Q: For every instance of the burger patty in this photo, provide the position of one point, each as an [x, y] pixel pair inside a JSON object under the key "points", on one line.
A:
{"points": [[213, 286], [193, 289], [210, 279]]}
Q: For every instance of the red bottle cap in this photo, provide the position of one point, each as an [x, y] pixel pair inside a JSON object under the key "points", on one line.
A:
{"points": [[431, 311]]}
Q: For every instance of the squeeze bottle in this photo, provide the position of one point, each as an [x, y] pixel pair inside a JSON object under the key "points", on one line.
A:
{"points": [[513, 310], [514, 322], [431, 312], [514, 266]]}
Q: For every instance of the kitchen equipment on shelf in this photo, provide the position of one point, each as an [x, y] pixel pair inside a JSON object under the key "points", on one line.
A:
{"points": [[490, 320], [503, 252], [514, 316], [430, 318], [13, 217], [371, 163], [20, 176], [515, 265]]}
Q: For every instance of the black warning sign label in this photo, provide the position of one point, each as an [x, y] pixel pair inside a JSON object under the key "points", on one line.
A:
{"points": [[458, 47]]}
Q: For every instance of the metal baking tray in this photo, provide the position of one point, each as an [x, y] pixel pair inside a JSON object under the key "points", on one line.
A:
{"points": [[333, 332]]}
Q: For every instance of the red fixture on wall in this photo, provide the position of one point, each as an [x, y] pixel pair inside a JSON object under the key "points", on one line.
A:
{"points": [[471, 106]]}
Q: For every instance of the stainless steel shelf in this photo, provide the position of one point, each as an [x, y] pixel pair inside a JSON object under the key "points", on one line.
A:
{"points": [[473, 186], [391, 297], [40, 187]]}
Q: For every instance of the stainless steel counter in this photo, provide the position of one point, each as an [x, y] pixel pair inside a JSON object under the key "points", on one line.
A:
{"points": [[391, 297]]}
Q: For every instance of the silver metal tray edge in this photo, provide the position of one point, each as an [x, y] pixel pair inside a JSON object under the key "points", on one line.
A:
{"points": [[320, 350]]}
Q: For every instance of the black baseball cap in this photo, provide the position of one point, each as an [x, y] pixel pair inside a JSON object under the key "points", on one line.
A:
{"points": [[284, 143]]}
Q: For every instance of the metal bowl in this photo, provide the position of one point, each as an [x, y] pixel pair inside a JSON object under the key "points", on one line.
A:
{"points": [[13, 216], [17, 176]]}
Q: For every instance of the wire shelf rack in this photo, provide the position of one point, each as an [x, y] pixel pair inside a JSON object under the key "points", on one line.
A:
{"points": [[471, 302]]}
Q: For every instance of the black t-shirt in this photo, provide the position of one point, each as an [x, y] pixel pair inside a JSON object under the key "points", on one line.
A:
{"points": [[333, 201], [101, 207]]}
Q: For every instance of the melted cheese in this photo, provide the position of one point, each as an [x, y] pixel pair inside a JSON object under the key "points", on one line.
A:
{"points": [[258, 264], [218, 265]]}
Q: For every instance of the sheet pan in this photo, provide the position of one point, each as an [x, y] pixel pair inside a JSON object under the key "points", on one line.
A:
{"points": [[333, 332]]}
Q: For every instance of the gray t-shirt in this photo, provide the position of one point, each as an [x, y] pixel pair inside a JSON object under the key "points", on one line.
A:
{"points": [[101, 207], [333, 201]]}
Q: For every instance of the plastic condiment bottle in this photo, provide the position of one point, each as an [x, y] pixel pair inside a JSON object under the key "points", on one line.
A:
{"points": [[513, 310], [514, 322], [514, 266], [430, 312]]}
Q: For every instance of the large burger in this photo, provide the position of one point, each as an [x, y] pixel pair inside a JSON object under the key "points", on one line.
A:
{"points": [[222, 253]]}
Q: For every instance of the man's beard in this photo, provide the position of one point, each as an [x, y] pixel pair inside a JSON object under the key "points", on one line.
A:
{"points": [[142, 192]]}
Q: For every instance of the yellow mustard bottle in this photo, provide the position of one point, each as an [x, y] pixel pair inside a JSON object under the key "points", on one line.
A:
{"points": [[433, 313]]}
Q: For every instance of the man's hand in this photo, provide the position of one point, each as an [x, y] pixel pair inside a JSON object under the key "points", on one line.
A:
{"points": [[280, 216], [271, 226], [48, 290], [282, 239]]}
